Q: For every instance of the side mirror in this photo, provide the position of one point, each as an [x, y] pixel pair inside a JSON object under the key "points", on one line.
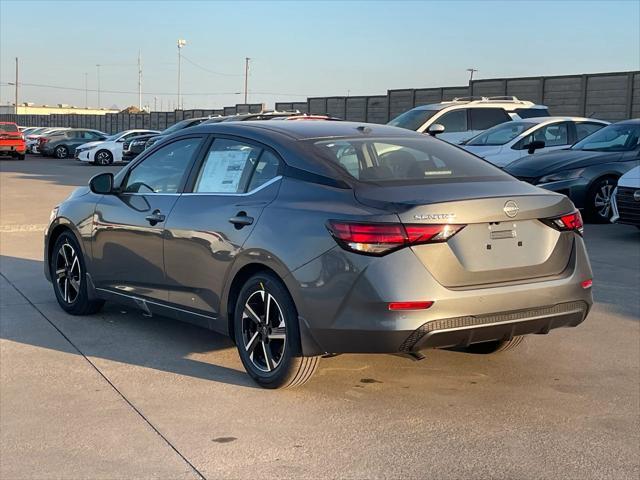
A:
{"points": [[435, 129], [533, 146], [102, 184], [120, 140]]}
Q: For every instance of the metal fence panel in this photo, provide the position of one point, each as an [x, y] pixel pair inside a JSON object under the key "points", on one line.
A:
{"points": [[378, 109], [606, 97], [356, 109]]}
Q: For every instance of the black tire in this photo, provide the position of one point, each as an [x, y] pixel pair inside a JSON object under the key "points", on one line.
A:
{"points": [[78, 304], [598, 200], [103, 157], [20, 156], [273, 362], [61, 152], [498, 346]]}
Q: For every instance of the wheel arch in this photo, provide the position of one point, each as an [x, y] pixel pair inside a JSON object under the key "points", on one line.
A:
{"points": [[57, 228]]}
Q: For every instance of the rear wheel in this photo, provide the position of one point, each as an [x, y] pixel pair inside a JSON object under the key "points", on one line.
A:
{"points": [[104, 157], [599, 200], [20, 156], [267, 334], [61, 151], [68, 274], [494, 347]]}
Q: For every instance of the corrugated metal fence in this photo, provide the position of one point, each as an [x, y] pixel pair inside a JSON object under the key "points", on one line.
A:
{"points": [[609, 96]]}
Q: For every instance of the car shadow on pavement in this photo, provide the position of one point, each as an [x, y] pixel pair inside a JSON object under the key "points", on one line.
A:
{"points": [[116, 334]]}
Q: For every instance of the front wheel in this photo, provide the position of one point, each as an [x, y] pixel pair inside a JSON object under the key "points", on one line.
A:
{"points": [[599, 200], [104, 157], [68, 274], [267, 334]]}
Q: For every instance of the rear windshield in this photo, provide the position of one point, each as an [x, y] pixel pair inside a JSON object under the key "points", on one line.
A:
{"points": [[532, 112], [8, 127], [406, 160], [501, 134], [413, 119]]}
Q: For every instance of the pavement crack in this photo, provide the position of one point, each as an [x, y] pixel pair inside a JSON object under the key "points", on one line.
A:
{"points": [[106, 379]]}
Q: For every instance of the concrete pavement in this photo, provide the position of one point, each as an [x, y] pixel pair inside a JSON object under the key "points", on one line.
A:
{"points": [[118, 395]]}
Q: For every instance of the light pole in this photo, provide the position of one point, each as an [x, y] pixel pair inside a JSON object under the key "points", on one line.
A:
{"points": [[471, 72], [246, 78], [181, 44], [16, 86], [155, 103], [98, 77], [86, 100], [139, 80]]}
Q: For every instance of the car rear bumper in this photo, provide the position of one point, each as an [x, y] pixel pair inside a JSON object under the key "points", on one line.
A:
{"points": [[351, 315], [12, 147]]}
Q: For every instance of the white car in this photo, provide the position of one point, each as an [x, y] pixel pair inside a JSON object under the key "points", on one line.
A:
{"points": [[625, 200], [507, 142], [466, 117], [108, 151]]}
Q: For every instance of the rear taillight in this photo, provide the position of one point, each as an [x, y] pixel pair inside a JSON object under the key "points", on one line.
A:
{"points": [[565, 223], [382, 238], [399, 306]]}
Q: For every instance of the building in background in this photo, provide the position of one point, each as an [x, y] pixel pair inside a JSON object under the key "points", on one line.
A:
{"points": [[33, 109]]}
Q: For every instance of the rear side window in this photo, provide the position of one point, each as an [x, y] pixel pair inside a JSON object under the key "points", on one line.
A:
{"points": [[406, 161], [532, 112], [454, 121], [553, 135], [227, 167], [484, 118], [8, 127], [585, 129]]}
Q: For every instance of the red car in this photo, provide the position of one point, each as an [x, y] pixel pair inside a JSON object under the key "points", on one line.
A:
{"points": [[12, 141]]}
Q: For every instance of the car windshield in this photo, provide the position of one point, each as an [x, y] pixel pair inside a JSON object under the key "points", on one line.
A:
{"points": [[619, 137], [413, 119], [8, 127], [501, 134], [406, 161]]}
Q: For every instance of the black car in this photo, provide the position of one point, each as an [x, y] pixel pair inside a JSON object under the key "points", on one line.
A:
{"points": [[191, 122], [589, 170], [133, 147]]}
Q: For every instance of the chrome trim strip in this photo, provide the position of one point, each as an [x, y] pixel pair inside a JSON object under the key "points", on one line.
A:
{"points": [[264, 185], [138, 299]]}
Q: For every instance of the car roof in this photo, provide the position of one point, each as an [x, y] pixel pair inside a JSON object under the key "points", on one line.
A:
{"points": [[308, 130], [537, 120], [633, 121]]}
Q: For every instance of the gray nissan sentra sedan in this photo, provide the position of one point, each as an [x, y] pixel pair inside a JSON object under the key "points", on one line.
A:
{"points": [[303, 239]]}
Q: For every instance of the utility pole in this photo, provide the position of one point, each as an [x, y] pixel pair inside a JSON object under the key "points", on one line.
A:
{"points": [[139, 80], [155, 103], [246, 78], [86, 90], [16, 85], [98, 76], [181, 44]]}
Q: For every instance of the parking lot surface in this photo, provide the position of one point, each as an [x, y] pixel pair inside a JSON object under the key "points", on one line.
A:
{"points": [[119, 395]]}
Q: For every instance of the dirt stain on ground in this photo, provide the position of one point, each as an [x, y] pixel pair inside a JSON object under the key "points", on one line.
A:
{"points": [[224, 439]]}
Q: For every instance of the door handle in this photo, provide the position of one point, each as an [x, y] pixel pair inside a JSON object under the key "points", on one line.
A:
{"points": [[155, 217], [241, 220]]}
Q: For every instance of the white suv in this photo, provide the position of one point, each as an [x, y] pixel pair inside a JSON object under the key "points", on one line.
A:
{"points": [[466, 117]]}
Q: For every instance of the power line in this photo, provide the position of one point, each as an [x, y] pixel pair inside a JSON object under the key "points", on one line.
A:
{"points": [[211, 71], [125, 92]]}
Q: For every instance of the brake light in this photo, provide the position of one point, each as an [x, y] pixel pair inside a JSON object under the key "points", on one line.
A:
{"points": [[382, 238], [569, 222], [587, 284]]}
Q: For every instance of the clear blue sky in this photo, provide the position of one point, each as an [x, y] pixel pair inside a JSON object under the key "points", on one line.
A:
{"points": [[302, 49]]}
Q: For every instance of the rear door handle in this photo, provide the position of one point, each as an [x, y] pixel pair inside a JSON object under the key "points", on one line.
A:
{"points": [[241, 220], [155, 217]]}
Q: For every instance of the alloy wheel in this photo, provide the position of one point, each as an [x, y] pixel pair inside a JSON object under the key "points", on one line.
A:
{"points": [[263, 331], [102, 158], [61, 152], [602, 199], [68, 273]]}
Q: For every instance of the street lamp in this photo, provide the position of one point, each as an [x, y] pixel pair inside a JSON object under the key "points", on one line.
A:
{"points": [[181, 45], [471, 72]]}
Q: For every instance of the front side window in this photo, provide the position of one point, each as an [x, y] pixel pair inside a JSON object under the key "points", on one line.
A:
{"points": [[413, 119], [613, 138], [163, 170], [454, 121], [501, 134], [227, 167], [406, 161], [483, 118], [553, 135]]}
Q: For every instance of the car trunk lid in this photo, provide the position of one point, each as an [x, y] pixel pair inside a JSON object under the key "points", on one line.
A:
{"points": [[503, 239]]}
